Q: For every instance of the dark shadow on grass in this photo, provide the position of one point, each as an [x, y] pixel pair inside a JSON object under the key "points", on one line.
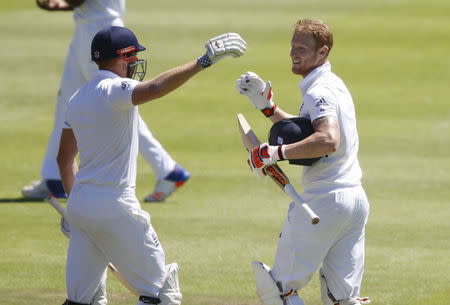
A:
{"points": [[19, 200]]}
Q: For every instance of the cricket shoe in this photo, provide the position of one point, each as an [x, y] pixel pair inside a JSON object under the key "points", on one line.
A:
{"points": [[41, 189], [165, 187]]}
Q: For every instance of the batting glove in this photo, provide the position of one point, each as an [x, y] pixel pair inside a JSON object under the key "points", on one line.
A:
{"points": [[229, 44], [258, 91], [265, 155]]}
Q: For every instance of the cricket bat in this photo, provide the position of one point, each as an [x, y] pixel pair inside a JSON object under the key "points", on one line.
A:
{"points": [[62, 211], [250, 141]]}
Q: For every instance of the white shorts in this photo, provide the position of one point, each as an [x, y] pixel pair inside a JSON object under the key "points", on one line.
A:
{"points": [[108, 225], [337, 243]]}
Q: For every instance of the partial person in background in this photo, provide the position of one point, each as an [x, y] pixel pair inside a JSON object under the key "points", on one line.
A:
{"points": [[101, 126], [332, 185], [90, 16]]}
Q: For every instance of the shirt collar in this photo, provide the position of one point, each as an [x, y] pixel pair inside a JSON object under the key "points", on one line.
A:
{"points": [[105, 74], [313, 75]]}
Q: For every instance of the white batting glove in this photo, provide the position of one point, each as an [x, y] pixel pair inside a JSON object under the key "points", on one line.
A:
{"points": [[229, 44], [258, 91], [265, 155]]}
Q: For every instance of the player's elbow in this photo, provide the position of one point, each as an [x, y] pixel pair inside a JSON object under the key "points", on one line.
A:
{"points": [[331, 142], [333, 146]]}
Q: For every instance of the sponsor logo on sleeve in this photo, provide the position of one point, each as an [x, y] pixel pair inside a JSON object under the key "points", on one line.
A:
{"points": [[125, 84], [321, 102]]}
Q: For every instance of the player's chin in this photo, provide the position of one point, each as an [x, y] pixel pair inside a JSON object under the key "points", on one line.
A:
{"points": [[296, 70]]}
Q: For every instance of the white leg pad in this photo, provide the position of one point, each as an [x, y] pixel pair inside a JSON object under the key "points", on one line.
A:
{"points": [[266, 288], [170, 293], [328, 299]]}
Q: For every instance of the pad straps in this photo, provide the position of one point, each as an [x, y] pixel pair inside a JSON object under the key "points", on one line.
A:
{"points": [[288, 294], [68, 302], [149, 300]]}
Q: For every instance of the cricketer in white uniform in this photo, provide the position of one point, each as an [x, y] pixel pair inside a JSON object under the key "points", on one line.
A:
{"points": [[332, 186], [101, 125], [90, 16]]}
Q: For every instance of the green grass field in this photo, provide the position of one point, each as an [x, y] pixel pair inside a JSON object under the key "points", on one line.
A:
{"points": [[393, 55]]}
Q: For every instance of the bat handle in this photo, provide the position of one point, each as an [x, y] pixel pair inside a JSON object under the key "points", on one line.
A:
{"points": [[57, 206], [289, 189]]}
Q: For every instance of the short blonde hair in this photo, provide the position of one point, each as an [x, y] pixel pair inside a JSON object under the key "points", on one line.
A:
{"points": [[320, 31]]}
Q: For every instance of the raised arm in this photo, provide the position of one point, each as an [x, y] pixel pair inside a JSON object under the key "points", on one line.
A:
{"points": [[164, 83], [217, 48]]}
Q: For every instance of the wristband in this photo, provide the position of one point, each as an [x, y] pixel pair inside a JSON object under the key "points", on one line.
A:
{"points": [[204, 61], [281, 152], [268, 112]]}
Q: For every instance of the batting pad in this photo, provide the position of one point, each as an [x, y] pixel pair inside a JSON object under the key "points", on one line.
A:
{"points": [[266, 288], [170, 293]]}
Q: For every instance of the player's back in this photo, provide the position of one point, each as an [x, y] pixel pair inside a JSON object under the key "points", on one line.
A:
{"points": [[97, 10], [104, 122]]}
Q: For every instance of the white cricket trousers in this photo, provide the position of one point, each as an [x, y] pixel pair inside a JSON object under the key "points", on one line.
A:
{"points": [[336, 244], [78, 69], [108, 225]]}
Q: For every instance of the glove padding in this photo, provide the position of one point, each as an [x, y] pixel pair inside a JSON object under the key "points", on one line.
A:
{"points": [[263, 156], [257, 90], [229, 44]]}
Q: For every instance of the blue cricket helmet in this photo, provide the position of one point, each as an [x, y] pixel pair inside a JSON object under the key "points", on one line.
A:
{"points": [[114, 41], [290, 131]]}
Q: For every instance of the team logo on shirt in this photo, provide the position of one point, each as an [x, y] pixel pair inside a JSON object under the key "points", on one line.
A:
{"points": [[321, 102], [125, 84]]}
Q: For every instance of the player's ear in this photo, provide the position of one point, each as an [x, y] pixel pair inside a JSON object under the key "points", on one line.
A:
{"points": [[324, 51]]}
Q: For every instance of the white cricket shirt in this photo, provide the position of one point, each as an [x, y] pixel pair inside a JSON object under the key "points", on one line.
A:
{"points": [[104, 122], [325, 94], [93, 10]]}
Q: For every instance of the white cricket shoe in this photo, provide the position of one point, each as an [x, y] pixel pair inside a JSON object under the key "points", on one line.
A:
{"points": [[37, 190], [165, 187]]}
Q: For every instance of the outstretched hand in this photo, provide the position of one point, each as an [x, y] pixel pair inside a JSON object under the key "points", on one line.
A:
{"points": [[258, 91], [217, 48]]}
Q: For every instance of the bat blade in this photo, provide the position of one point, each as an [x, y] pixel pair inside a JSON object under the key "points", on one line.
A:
{"points": [[248, 137], [250, 141]]}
